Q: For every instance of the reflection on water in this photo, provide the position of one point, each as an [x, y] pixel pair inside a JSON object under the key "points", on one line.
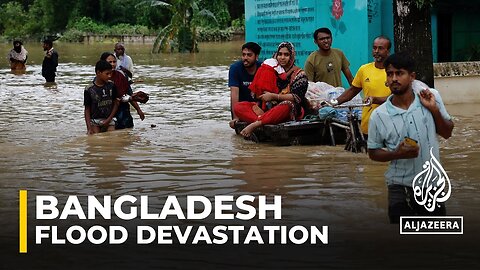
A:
{"points": [[191, 149]]}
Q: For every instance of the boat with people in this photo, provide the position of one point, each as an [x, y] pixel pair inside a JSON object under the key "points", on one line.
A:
{"points": [[323, 129]]}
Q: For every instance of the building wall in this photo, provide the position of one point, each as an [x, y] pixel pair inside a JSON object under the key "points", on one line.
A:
{"points": [[458, 82], [270, 22]]}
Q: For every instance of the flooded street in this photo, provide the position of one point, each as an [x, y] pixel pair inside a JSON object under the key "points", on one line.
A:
{"points": [[185, 147]]}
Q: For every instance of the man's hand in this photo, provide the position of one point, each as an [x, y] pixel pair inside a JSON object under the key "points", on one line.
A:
{"points": [[106, 122], [406, 151], [141, 114], [368, 100], [428, 100]]}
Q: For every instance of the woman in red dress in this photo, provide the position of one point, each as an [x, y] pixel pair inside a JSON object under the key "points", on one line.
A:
{"points": [[285, 105]]}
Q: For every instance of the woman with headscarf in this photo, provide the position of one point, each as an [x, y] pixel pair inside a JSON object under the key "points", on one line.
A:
{"points": [[17, 56], [286, 104]]}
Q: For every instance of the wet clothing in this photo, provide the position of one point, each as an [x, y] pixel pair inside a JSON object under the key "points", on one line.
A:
{"points": [[124, 118], [326, 69], [100, 99], [239, 77], [372, 82], [388, 127], [17, 59], [124, 61], [49, 65]]}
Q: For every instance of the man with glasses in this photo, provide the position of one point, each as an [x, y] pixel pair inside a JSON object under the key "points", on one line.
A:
{"points": [[325, 64]]}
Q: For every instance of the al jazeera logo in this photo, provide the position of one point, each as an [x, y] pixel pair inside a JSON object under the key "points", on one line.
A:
{"points": [[431, 187]]}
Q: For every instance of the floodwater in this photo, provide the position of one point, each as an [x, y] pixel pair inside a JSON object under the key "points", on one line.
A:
{"points": [[185, 147]]}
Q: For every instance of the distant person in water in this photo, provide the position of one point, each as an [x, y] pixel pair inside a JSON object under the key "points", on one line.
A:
{"points": [[100, 100], [124, 118], [18, 57], [124, 62], [50, 61]]}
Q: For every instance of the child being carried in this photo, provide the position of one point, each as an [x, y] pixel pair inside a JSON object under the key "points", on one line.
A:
{"points": [[265, 79]]}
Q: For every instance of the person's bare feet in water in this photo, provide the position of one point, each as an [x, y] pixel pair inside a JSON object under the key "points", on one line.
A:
{"points": [[257, 110], [232, 123], [248, 130]]}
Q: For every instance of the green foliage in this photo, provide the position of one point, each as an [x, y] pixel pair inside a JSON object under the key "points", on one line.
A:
{"points": [[182, 29], [219, 9], [185, 40], [12, 19], [84, 26], [209, 35], [238, 24], [72, 18], [87, 25]]}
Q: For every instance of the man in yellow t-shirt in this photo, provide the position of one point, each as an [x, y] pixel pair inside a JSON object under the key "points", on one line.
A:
{"points": [[372, 79]]}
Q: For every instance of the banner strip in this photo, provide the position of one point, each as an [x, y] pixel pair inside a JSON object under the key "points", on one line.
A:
{"points": [[23, 221]]}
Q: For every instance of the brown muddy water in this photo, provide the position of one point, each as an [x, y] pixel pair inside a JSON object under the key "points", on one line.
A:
{"points": [[192, 151]]}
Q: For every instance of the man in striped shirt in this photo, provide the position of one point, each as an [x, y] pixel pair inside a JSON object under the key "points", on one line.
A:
{"points": [[409, 113]]}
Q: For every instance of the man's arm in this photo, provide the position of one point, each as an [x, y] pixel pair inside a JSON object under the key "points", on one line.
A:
{"points": [[55, 59], [309, 70], [403, 151], [112, 114], [139, 110], [234, 96], [126, 71], [348, 94], [443, 126], [87, 119], [348, 74]]}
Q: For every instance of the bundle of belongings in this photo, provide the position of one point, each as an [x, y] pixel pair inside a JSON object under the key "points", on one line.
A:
{"points": [[320, 95], [139, 96]]}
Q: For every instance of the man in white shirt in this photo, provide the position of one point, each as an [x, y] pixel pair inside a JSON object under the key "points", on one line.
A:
{"points": [[124, 62]]}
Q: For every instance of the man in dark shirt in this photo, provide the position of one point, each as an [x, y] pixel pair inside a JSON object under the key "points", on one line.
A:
{"points": [[99, 99], [241, 76], [50, 61]]}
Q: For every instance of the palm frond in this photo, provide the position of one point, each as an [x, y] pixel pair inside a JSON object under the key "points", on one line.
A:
{"points": [[154, 3], [162, 38]]}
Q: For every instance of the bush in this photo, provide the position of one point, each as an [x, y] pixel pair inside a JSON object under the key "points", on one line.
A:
{"points": [[73, 35], [238, 25], [208, 35], [84, 26], [87, 25]]}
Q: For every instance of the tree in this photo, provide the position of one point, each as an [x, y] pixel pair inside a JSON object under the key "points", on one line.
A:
{"points": [[12, 19], [181, 32], [413, 34]]}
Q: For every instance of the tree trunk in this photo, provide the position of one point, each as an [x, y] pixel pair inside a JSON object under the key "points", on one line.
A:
{"points": [[413, 34]]}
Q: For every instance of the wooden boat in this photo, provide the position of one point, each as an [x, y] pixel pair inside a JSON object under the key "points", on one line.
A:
{"points": [[304, 132], [331, 131], [312, 132]]}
